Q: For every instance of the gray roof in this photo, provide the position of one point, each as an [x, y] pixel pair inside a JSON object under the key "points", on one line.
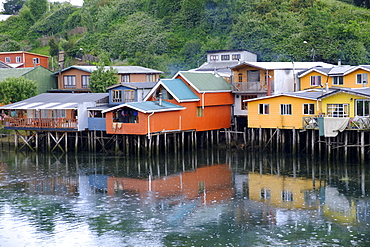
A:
{"points": [[286, 65], [211, 66], [148, 106], [135, 85], [4, 65], [56, 101], [120, 69]]}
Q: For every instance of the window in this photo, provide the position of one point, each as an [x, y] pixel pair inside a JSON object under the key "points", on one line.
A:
{"points": [[253, 75], [316, 80], [125, 78], [117, 96], [265, 194], [337, 80], [263, 109], [7, 59], [361, 78], [362, 107], [165, 94], [36, 60], [18, 59], [337, 110], [69, 81], [126, 116], [225, 57], [287, 196], [245, 104], [150, 77], [240, 77], [285, 109], [308, 109], [213, 57], [58, 113], [200, 112], [44, 113], [235, 57], [85, 81], [129, 95]]}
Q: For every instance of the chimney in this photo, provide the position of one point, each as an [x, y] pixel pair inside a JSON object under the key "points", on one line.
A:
{"points": [[339, 62], [160, 99]]}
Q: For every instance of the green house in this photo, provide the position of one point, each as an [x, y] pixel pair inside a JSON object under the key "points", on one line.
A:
{"points": [[43, 77]]}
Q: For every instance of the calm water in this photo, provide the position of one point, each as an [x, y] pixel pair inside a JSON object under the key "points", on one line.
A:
{"points": [[213, 198]]}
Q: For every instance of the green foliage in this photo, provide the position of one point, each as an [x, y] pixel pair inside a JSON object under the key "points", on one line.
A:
{"points": [[14, 89], [12, 6], [53, 48], [101, 78], [9, 45], [37, 8]]}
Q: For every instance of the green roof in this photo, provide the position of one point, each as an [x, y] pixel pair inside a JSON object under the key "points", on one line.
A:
{"points": [[179, 90], [206, 82], [5, 73]]}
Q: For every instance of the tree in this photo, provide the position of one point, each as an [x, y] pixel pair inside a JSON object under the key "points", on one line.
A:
{"points": [[37, 8], [12, 7], [101, 78], [53, 48], [14, 89]]}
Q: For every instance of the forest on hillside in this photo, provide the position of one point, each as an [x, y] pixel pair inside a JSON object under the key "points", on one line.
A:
{"points": [[174, 35]]}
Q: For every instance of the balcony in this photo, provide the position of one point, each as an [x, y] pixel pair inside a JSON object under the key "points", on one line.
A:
{"points": [[251, 86], [355, 123], [40, 123]]}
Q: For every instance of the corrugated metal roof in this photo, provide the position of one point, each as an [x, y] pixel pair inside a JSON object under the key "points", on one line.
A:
{"points": [[179, 90], [5, 73], [120, 69], [136, 85], [206, 82], [148, 106], [56, 101], [286, 65]]}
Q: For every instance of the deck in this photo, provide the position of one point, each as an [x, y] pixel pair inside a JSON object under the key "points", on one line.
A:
{"points": [[41, 123], [355, 123]]}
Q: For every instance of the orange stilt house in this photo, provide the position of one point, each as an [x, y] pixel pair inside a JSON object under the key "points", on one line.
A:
{"points": [[189, 101]]}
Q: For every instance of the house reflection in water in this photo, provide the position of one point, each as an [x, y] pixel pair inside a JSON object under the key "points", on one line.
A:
{"points": [[210, 184]]}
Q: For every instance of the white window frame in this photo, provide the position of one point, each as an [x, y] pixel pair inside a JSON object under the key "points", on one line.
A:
{"points": [[36, 60], [129, 95], [315, 80], [362, 78], [365, 111], [338, 80], [125, 78], [235, 57], [213, 58], [117, 96], [264, 109], [150, 77], [337, 110], [285, 109], [69, 81], [308, 109], [17, 59], [85, 81], [287, 196], [225, 57]]}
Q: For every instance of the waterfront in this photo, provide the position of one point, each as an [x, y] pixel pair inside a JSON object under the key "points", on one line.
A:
{"points": [[209, 198]]}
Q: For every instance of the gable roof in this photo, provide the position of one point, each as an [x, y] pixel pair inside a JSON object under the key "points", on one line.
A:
{"points": [[285, 65], [148, 106], [341, 70], [5, 73], [56, 101], [120, 69], [205, 82], [363, 92], [311, 94], [177, 88], [134, 85]]}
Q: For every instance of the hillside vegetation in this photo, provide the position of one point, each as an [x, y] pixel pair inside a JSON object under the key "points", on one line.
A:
{"points": [[175, 35]]}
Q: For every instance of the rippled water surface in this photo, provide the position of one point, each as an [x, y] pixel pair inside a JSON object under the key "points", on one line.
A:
{"points": [[212, 198]]}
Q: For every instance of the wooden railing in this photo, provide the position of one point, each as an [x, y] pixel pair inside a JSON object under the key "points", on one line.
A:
{"points": [[250, 86], [355, 123], [42, 123]]}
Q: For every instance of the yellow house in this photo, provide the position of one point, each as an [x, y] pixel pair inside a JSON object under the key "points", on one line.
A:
{"points": [[337, 76], [283, 191], [284, 111], [346, 103]]}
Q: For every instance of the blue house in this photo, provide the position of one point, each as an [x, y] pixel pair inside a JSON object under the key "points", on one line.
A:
{"points": [[128, 92]]}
